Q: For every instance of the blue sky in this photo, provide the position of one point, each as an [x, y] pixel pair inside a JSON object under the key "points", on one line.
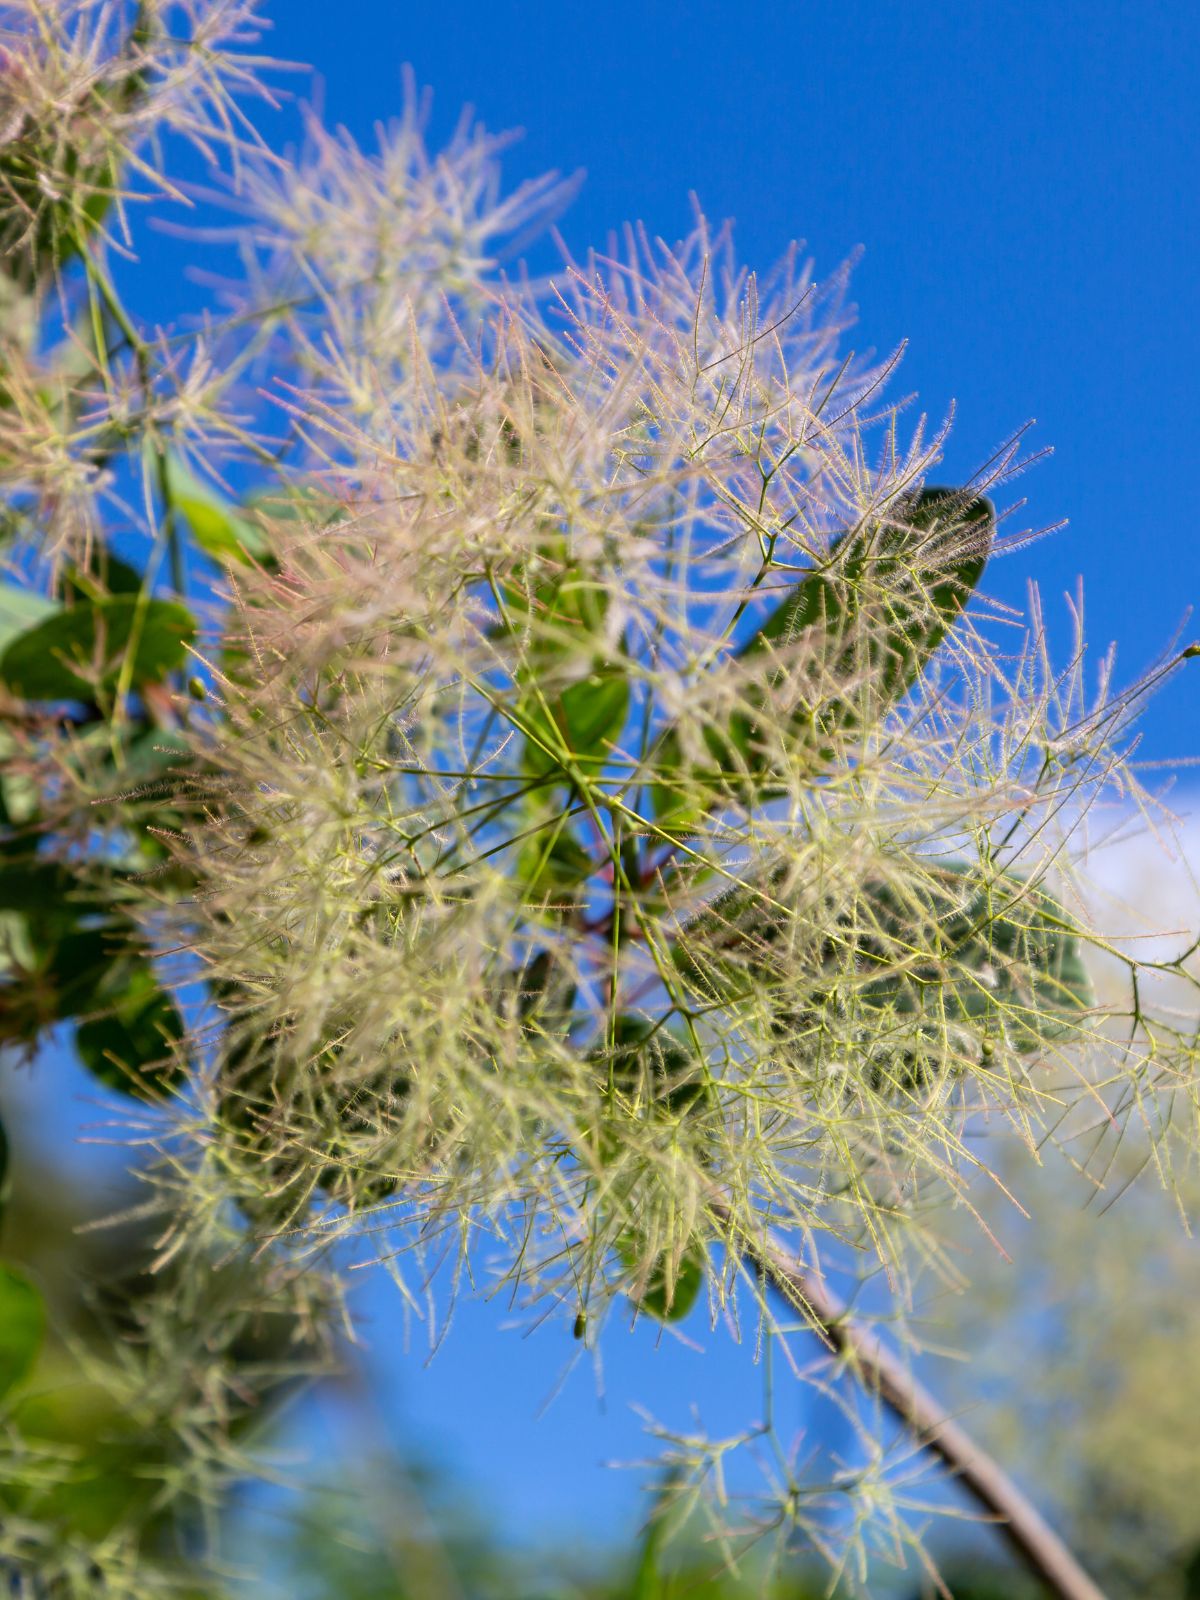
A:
{"points": [[1022, 180]]}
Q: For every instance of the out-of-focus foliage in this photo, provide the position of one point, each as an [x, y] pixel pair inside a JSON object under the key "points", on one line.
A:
{"points": [[402, 1534], [1086, 1347], [1085, 1341], [136, 1366]]}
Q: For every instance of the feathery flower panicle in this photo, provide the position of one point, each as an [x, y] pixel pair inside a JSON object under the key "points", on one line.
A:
{"points": [[51, 472], [604, 833], [91, 94], [360, 265], [87, 90], [598, 861]]}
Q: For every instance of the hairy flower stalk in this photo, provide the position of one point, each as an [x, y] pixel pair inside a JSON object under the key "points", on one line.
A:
{"points": [[609, 831]]}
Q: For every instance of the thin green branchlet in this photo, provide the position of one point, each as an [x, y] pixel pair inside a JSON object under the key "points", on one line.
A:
{"points": [[607, 829]]}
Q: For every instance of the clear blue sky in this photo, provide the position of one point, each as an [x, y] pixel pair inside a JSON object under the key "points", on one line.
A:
{"points": [[1025, 183]]}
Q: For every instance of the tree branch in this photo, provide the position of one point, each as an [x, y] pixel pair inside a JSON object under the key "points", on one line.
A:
{"points": [[882, 1371]]}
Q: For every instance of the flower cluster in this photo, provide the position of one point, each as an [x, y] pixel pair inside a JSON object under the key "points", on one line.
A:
{"points": [[575, 815]]}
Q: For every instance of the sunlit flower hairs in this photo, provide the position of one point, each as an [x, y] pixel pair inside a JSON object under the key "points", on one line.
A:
{"points": [[594, 821], [618, 835]]}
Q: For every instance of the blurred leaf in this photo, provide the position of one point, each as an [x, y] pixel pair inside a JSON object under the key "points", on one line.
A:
{"points": [[924, 572], [672, 1288], [104, 574], [116, 1458], [556, 601], [214, 521], [552, 866], [16, 953], [72, 954], [129, 1047], [22, 1324], [649, 1581], [545, 993], [67, 976], [949, 947], [20, 795], [21, 609], [47, 887], [295, 502], [74, 654], [151, 752], [39, 234], [653, 1064], [583, 722], [1003, 950]]}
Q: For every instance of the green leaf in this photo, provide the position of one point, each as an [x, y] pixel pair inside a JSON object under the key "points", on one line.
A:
{"points": [[68, 975], [672, 1288], [652, 1064], [22, 1325], [77, 654], [580, 725], [67, 951], [955, 948], [129, 1047], [21, 609], [683, 792], [545, 994], [43, 886], [651, 1579], [883, 603], [728, 944], [214, 521], [294, 502], [17, 955], [40, 232], [1002, 953], [928, 569], [104, 574], [555, 601], [1022, 941], [552, 866], [20, 793]]}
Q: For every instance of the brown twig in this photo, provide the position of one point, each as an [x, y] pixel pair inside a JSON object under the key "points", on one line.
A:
{"points": [[882, 1371]]}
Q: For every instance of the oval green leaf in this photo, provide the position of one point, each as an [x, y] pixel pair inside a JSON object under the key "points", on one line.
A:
{"points": [[20, 610], [213, 521], [103, 574], [130, 1047], [672, 1288], [77, 654], [885, 600], [579, 726]]}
